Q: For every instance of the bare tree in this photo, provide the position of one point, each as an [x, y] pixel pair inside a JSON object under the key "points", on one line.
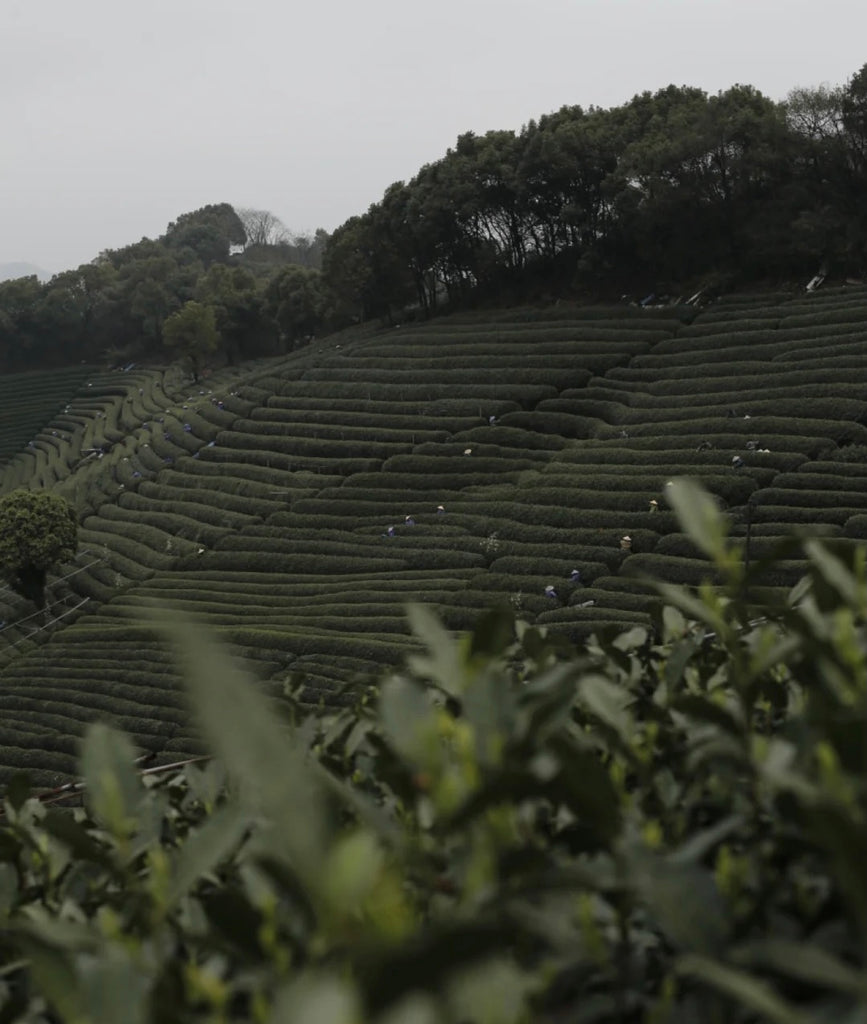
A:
{"points": [[307, 249], [816, 113], [263, 227]]}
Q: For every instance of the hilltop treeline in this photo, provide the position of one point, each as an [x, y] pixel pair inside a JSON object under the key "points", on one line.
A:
{"points": [[671, 191], [241, 265], [656, 194]]}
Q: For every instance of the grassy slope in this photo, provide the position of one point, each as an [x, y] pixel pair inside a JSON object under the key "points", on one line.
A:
{"points": [[261, 501]]}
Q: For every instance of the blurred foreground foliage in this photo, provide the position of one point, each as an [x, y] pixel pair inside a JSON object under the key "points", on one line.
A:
{"points": [[660, 826]]}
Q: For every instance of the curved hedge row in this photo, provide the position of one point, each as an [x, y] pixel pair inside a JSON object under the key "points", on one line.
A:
{"points": [[290, 480]]}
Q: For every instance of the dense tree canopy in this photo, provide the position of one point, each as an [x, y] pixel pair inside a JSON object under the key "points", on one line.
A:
{"points": [[295, 303], [209, 232], [237, 300], [115, 306], [192, 332], [670, 192], [37, 531], [662, 193]]}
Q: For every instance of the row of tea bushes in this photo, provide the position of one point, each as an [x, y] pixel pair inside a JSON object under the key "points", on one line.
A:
{"points": [[269, 517], [29, 400]]}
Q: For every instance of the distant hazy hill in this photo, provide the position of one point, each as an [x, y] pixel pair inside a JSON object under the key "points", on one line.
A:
{"points": [[11, 270]]}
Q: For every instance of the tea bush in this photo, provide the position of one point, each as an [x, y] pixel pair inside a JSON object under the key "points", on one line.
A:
{"points": [[794, 515], [125, 556], [856, 527], [455, 396], [663, 824], [803, 491]]}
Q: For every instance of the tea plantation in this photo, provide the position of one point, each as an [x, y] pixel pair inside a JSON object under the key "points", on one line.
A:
{"points": [[297, 505]]}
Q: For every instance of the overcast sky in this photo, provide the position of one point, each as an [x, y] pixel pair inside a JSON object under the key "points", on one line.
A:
{"points": [[118, 115]]}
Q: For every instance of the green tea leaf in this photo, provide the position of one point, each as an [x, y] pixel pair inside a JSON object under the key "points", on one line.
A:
{"points": [[205, 848], [774, 653], [18, 789], [743, 988], [699, 844], [354, 864], [496, 990], [74, 836], [8, 888], [256, 748], [235, 919], [426, 960], [54, 975], [112, 785], [489, 706], [699, 516], [442, 664], [609, 703], [362, 806], [317, 999], [673, 623], [834, 572], [405, 709], [692, 606], [678, 659], [114, 989], [835, 829], [206, 782], [804, 962], [493, 632], [151, 813], [704, 710], [584, 785], [683, 898]]}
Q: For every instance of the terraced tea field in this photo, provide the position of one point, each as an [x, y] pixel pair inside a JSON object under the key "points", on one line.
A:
{"points": [[296, 505]]}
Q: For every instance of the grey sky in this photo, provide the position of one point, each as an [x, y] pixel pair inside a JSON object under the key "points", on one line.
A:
{"points": [[118, 115]]}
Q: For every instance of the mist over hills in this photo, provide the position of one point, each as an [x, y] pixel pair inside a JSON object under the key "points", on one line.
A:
{"points": [[10, 271]]}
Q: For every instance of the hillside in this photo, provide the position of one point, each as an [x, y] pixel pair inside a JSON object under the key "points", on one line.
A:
{"points": [[261, 501]]}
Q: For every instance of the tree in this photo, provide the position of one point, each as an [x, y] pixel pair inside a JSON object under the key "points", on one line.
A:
{"points": [[831, 124], [37, 530], [307, 249], [854, 114], [151, 289], [815, 113], [193, 331], [363, 268], [19, 329], [237, 301], [263, 228], [347, 270], [567, 160], [200, 241], [704, 173], [209, 232], [79, 315], [294, 301]]}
